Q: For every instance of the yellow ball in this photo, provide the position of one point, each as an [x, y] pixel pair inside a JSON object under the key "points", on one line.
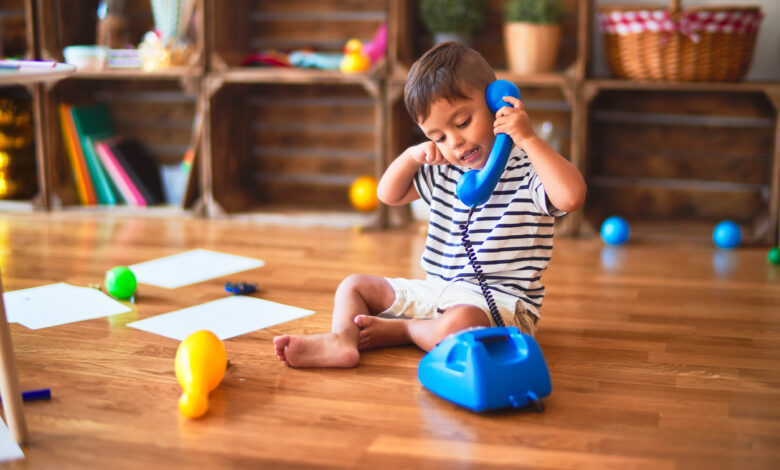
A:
{"points": [[362, 193]]}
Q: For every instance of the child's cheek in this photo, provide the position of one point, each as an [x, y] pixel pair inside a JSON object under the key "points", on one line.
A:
{"points": [[444, 151]]}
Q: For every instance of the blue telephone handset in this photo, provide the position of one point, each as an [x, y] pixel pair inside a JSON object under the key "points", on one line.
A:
{"points": [[475, 186]]}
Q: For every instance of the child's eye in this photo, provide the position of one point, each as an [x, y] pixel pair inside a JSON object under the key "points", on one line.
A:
{"points": [[464, 123], [440, 140]]}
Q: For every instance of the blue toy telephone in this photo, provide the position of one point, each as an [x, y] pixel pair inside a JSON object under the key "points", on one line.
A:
{"points": [[486, 369], [475, 186]]}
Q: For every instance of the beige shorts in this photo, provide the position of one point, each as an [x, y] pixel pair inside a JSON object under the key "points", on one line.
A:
{"points": [[429, 298]]}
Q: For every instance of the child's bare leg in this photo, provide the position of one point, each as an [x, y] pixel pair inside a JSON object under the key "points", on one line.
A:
{"points": [[356, 295], [378, 332]]}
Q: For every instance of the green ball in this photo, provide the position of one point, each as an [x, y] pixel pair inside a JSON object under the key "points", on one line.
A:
{"points": [[774, 255], [120, 282]]}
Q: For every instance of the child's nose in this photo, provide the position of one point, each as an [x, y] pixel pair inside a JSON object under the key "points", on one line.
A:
{"points": [[457, 141]]}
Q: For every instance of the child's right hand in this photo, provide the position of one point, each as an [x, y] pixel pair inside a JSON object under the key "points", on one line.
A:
{"points": [[427, 153]]}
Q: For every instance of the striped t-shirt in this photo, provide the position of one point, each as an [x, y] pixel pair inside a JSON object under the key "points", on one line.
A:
{"points": [[512, 233]]}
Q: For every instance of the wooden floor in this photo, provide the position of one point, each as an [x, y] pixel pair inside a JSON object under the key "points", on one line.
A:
{"points": [[661, 355]]}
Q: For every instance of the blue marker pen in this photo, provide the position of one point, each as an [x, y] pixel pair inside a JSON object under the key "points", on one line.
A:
{"points": [[33, 395], [40, 394]]}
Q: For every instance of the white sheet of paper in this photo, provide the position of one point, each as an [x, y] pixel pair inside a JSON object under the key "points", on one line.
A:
{"points": [[58, 304], [9, 449], [226, 318], [190, 267]]}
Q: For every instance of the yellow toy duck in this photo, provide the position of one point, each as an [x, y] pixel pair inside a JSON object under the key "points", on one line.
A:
{"points": [[354, 61]]}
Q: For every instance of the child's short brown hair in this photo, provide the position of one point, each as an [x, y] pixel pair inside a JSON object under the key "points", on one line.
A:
{"points": [[444, 72]]}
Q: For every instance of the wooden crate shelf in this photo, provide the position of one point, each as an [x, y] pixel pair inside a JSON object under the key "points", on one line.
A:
{"points": [[74, 22], [596, 85], [295, 76], [412, 39], [242, 27], [288, 145], [168, 73], [652, 156], [160, 114]]}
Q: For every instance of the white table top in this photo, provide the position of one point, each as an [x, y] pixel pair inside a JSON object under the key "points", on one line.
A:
{"points": [[29, 71]]}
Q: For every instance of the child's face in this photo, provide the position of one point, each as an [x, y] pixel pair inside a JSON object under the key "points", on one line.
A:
{"points": [[462, 129]]}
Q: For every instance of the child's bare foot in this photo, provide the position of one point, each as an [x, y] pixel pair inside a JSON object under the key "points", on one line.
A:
{"points": [[378, 332], [325, 350]]}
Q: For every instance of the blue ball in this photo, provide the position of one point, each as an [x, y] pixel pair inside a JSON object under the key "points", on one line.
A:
{"points": [[727, 234], [615, 230]]}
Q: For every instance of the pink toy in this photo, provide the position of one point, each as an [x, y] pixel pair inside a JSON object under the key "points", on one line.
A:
{"points": [[375, 50]]}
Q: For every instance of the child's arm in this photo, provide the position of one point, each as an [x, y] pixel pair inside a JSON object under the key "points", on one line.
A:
{"points": [[396, 187], [563, 183]]}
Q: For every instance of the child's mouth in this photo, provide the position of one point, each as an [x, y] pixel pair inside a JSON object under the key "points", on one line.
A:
{"points": [[470, 155]]}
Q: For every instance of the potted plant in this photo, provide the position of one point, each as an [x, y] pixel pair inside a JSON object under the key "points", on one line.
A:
{"points": [[532, 34], [453, 20]]}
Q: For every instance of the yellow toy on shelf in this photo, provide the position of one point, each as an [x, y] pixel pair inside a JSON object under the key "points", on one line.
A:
{"points": [[354, 60], [200, 365]]}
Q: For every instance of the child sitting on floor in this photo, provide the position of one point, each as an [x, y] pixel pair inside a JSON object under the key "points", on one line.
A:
{"points": [[512, 233]]}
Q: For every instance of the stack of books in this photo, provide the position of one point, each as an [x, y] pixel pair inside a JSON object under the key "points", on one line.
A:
{"points": [[107, 168]]}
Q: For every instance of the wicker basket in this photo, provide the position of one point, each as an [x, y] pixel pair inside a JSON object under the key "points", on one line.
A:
{"points": [[695, 44]]}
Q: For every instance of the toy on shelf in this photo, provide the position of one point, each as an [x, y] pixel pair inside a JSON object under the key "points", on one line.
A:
{"points": [[356, 56], [727, 235], [615, 230], [120, 282], [317, 60], [362, 193], [156, 54], [169, 43], [376, 48], [354, 61], [201, 361], [268, 57], [487, 369]]}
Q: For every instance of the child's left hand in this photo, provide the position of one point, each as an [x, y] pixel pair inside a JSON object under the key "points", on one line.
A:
{"points": [[513, 121]]}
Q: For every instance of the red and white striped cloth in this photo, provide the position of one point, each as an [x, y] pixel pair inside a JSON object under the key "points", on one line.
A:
{"points": [[691, 23]]}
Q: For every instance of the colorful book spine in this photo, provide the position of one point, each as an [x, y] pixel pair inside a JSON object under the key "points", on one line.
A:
{"points": [[105, 194], [81, 177], [93, 122], [121, 180], [140, 167]]}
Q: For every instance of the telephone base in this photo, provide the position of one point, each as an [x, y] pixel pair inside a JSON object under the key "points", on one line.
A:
{"points": [[486, 369]]}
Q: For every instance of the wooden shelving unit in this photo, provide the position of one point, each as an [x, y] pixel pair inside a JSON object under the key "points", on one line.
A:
{"points": [[294, 139], [683, 154], [158, 107], [61, 24], [282, 141]]}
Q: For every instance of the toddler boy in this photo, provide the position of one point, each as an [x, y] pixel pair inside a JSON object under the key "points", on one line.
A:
{"points": [[512, 233]]}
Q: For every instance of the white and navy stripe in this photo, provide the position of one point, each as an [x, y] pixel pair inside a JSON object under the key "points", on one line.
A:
{"points": [[512, 233]]}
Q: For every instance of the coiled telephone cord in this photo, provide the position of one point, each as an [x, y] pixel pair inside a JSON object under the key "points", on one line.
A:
{"points": [[478, 271]]}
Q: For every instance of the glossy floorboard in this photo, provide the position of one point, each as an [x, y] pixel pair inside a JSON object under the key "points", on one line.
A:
{"points": [[662, 356]]}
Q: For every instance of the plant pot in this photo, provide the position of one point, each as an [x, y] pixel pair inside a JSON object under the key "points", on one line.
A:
{"points": [[531, 48]]}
